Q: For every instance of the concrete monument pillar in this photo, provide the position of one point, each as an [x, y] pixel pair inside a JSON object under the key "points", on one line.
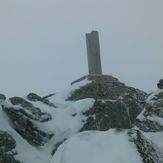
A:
{"points": [[93, 53]]}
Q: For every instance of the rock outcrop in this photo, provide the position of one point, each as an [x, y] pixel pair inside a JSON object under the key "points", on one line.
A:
{"points": [[160, 84], [7, 148], [116, 106], [25, 117], [110, 104], [2, 97], [35, 97], [151, 119]]}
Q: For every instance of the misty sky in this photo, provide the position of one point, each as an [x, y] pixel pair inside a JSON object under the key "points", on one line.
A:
{"points": [[43, 49]]}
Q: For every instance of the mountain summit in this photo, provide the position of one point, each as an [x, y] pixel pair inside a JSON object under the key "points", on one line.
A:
{"points": [[97, 119]]}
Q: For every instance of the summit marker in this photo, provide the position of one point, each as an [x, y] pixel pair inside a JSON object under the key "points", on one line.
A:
{"points": [[93, 53]]}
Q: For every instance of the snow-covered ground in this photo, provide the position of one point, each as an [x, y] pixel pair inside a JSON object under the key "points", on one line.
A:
{"points": [[111, 146], [97, 147]]}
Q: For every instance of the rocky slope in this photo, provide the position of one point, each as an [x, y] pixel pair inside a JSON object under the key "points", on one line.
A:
{"points": [[116, 105], [151, 119], [50, 129]]}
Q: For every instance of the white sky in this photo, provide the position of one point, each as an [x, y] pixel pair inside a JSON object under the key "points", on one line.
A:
{"points": [[42, 42]]}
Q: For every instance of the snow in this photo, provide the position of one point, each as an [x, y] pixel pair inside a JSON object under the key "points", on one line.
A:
{"points": [[67, 119], [155, 119], [97, 147], [141, 117], [151, 98], [86, 147], [156, 137], [108, 100], [60, 98], [26, 152]]}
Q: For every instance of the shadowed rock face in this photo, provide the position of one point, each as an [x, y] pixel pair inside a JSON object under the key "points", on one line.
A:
{"points": [[7, 146], [116, 106]]}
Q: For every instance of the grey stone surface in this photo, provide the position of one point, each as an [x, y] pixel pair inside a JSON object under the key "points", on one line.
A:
{"points": [[34, 97], [160, 84], [93, 53], [116, 105]]}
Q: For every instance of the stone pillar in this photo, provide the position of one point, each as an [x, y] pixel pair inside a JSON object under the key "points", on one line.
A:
{"points": [[93, 53]]}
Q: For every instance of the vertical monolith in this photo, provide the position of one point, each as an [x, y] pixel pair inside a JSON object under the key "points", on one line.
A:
{"points": [[93, 53]]}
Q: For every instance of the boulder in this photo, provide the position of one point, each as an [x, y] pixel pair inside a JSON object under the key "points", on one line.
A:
{"points": [[110, 114], [35, 97], [2, 97], [20, 101], [116, 106], [160, 84], [29, 110], [7, 148]]}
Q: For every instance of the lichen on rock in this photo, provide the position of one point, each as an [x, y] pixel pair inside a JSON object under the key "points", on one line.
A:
{"points": [[7, 148], [151, 119], [116, 106]]}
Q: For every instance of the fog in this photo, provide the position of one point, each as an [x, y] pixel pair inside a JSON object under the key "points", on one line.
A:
{"points": [[43, 47]]}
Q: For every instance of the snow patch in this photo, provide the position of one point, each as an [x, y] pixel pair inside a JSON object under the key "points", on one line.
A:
{"points": [[151, 98], [96, 147], [141, 117]]}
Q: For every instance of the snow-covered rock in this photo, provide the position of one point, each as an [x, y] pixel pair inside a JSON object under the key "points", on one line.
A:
{"points": [[116, 105], [123, 126], [7, 148], [149, 151], [24, 118], [160, 84], [151, 119]]}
